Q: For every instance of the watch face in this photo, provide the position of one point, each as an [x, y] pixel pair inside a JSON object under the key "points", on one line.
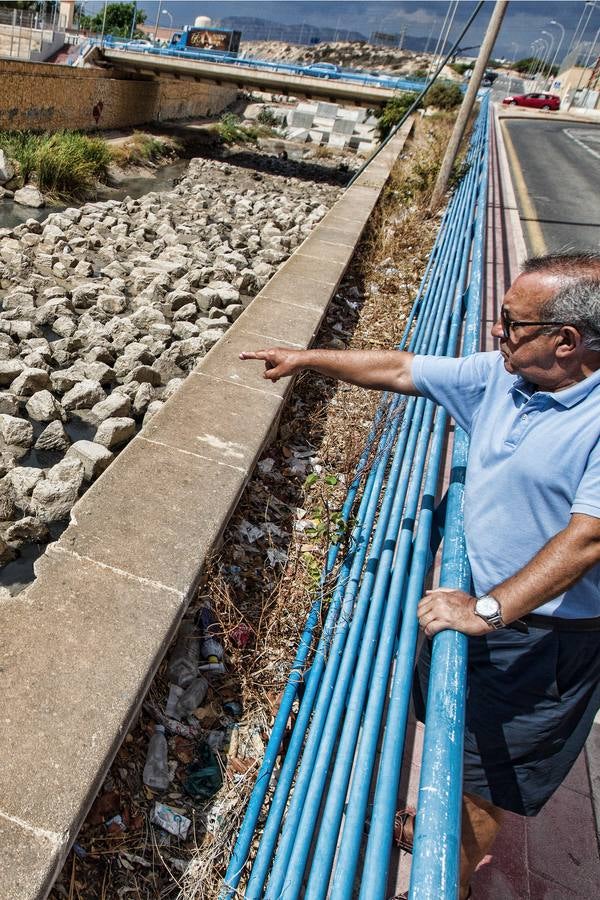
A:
{"points": [[487, 606]]}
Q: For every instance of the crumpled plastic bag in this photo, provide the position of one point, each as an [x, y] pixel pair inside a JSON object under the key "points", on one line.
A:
{"points": [[204, 776]]}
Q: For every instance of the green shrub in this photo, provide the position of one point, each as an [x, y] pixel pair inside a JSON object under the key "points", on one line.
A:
{"points": [[393, 112], [69, 164], [461, 68], [444, 96], [267, 117], [147, 148], [231, 131]]}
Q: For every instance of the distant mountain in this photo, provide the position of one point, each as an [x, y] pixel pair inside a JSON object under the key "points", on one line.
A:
{"points": [[254, 29], [262, 30]]}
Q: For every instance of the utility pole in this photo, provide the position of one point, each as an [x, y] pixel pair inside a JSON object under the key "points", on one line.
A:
{"points": [[468, 101]]}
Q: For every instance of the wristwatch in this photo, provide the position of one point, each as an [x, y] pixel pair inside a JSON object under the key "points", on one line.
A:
{"points": [[488, 609]]}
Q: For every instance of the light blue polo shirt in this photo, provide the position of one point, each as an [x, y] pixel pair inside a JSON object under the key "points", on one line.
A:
{"points": [[534, 459]]}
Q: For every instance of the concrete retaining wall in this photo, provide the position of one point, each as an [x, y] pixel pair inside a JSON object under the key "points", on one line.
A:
{"points": [[42, 96], [79, 647]]}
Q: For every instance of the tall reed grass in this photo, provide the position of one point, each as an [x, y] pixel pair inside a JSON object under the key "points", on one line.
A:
{"points": [[65, 165]]}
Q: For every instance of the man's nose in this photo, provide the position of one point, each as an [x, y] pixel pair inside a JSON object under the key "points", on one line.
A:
{"points": [[497, 330]]}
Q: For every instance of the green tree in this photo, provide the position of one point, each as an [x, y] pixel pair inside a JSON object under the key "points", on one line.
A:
{"points": [[46, 8], [461, 68], [536, 65], [444, 96], [119, 17]]}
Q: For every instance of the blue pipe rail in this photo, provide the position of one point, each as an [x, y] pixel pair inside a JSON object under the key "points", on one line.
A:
{"points": [[306, 779], [364, 522], [330, 761], [436, 857]]}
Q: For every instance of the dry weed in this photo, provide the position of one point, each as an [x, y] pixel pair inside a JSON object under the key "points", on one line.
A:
{"points": [[369, 312]]}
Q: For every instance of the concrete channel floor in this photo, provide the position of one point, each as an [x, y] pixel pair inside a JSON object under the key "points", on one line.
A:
{"points": [[555, 855]]}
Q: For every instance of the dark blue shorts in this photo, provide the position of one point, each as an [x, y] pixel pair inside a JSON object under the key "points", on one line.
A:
{"points": [[531, 702]]}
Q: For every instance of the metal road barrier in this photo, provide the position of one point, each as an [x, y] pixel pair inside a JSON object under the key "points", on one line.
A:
{"points": [[342, 766]]}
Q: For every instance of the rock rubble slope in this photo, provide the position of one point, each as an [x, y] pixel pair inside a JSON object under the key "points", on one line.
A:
{"points": [[104, 311]]}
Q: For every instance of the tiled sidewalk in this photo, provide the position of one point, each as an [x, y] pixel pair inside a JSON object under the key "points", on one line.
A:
{"points": [[553, 856]]}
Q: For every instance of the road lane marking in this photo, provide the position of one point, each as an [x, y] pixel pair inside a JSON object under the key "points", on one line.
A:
{"points": [[530, 216], [570, 134]]}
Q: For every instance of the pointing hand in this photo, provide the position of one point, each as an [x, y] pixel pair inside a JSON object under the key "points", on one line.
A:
{"points": [[280, 362]]}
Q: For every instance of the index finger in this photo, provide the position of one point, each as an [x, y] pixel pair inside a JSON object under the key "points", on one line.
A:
{"points": [[253, 354]]}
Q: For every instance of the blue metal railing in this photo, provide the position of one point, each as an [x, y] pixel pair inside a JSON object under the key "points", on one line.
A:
{"points": [[437, 836], [357, 689]]}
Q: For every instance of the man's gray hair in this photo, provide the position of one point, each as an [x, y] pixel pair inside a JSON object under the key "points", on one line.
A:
{"points": [[577, 301]]}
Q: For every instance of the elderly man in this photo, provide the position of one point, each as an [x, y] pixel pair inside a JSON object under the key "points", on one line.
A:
{"points": [[532, 524]]}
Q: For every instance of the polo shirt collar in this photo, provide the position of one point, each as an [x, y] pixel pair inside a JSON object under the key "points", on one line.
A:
{"points": [[566, 398]]}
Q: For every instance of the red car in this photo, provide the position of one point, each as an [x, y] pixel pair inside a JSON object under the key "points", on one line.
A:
{"points": [[537, 101]]}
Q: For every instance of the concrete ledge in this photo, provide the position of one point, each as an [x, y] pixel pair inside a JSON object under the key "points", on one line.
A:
{"points": [[81, 645]]}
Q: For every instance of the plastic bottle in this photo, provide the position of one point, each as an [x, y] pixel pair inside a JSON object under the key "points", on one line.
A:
{"points": [[193, 696], [156, 770], [211, 650], [211, 653], [183, 662]]}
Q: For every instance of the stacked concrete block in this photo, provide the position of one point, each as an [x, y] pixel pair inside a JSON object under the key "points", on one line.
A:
{"points": [[324, 123], [338, 140], [297, 134], [365, 148], [297, 119], [327, 110], [357, 114], [343, 126]]}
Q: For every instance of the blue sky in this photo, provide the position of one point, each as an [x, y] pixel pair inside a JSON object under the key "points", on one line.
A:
{"points": [[523, 22]]}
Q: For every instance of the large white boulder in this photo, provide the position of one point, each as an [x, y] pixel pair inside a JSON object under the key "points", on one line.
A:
{"points": [[29, 196]]}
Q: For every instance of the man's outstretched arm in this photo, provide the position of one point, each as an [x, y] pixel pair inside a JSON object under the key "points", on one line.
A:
{"points": [[382, 370]]}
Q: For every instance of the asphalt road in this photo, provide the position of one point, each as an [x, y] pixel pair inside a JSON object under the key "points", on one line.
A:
{"points": [[556, 172]]}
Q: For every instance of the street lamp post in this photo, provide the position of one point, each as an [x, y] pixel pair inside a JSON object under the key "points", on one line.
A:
{"points": [[558, 46], [534, 58], [549, 53], [587, 63], [166, 12], [544, 51], [588, 8], [158, 12]]}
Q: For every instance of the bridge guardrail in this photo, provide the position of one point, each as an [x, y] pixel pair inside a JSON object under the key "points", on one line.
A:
{"points": [[401, 84]]}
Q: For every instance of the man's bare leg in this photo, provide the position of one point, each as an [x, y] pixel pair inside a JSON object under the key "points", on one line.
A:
{"points": [[480, 823]]}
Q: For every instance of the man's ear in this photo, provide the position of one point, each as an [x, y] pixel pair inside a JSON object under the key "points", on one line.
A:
{"points": [[569, 339]]}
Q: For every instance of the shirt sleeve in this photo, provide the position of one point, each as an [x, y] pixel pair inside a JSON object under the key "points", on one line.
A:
{"points": [[457, 384], [587, 497]]}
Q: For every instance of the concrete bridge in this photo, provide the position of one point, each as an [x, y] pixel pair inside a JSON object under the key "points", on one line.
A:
{"points": [[245, 75]]}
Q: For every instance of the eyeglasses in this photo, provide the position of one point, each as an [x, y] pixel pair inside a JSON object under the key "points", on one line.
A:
{"points": [[508, 323]]}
